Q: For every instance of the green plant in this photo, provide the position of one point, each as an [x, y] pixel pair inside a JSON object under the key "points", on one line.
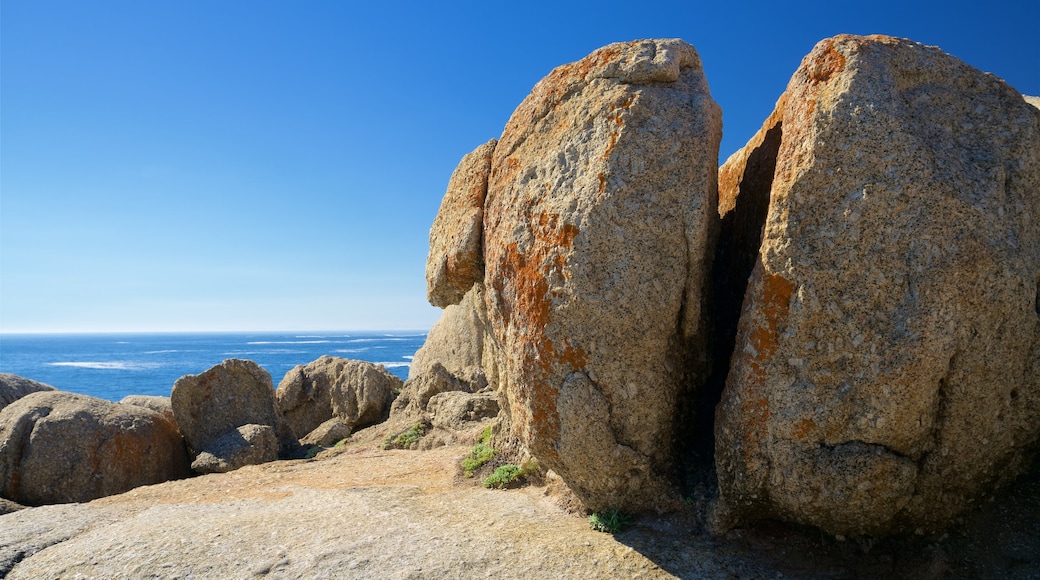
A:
{"points": [[313, 451], [478, 456], [509, 474], [481, 453], [503, 476], [340, 443], [610, 522], [407, 438]]}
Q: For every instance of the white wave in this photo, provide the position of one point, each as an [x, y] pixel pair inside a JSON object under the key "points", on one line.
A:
{"points": [[107, 366], [289, 342], [160, 351], [349, 350], [409, 357], [393, 365]]}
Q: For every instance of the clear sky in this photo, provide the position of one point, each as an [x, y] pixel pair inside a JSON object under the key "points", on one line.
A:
{"points": [[247, 165]]}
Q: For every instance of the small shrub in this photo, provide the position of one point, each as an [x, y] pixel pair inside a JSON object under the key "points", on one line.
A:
{"points": [[610, 522], [313, 451], [503, 476], [405, 439], [478, 456], [481, 453], [340, 443], [508, 475]]}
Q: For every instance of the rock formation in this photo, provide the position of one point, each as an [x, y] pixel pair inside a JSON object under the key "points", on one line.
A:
{"points": [[14, 387], [245, 445], [161, 405], [356, 392], [598, 231], [58, 447], [886, 370], [218, 401], [455, 261]]}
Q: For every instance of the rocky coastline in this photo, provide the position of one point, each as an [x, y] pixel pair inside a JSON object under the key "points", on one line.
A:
{"points": [[821, 358]]}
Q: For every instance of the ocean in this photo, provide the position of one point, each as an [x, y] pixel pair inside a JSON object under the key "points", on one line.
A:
{"points": [[112, 366]]}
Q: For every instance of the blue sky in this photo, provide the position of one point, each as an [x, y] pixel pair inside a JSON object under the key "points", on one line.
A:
{"points": [[233, 165]]}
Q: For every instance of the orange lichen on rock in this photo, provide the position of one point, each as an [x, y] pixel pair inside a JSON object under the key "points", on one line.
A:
{"points": [[826, 65]]}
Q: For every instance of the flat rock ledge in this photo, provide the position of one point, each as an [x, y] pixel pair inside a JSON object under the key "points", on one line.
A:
{"points": [[361, 512]]}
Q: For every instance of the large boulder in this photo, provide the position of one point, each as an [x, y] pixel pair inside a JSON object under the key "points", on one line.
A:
{"points": [[14, 387], [598, 230], [455, 261], [358, 393], [58, 447], [886, 372], [227, 396]]}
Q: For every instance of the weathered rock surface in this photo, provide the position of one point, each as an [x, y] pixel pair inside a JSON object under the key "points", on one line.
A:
{"points": [[416, 394], [456, 259], [328, 433], [886, 372], [357, 392], [599, 226], [457, 411], [246, 445], [272, 520], [14, 387], [1035, 101], [222, 399], [58, 447], [159, 404], [460, 341]]}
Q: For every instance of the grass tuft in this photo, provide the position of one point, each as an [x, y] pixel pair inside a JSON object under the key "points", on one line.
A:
{"points": [[610, 522]]}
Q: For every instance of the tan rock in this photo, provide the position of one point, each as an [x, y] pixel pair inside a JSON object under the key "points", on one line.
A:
{"points": [[599, 225], [218, 401], [887, 364], [328, 433], [245, 445], [458, 411], [455, 261], [14, 387], [460, 341], [1035, 101], [159, 404], [58, 447]]}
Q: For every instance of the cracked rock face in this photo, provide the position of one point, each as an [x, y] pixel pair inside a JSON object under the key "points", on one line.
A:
{"points": [[887, 361], [598, 229]]}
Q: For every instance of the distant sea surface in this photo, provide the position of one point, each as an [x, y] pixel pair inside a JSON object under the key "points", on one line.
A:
{"points": [[112, 366]]}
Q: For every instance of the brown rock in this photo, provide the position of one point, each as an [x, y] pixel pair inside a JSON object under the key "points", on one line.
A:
{"points": [[234, 393], [328, 433], [455, 261], [599, 226], [58, 447], [417, 391], [14, 387], [887, 363], [161, 405], [356, 392], [460, 341], [246, 445], [457, 410]]}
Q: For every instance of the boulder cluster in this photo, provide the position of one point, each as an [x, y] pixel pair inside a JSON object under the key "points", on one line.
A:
{"points": [[843, 317], [59, 447]]}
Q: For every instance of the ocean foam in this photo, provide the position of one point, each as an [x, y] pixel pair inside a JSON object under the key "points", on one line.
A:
{"points": [[394, 365], [107, 366], [289, 342]]}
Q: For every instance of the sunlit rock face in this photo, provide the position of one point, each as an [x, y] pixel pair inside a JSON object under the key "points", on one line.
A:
{"points": [[886, 371]]}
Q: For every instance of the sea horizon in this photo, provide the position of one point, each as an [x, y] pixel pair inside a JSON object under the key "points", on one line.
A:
{"points": [[111, 365]]}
